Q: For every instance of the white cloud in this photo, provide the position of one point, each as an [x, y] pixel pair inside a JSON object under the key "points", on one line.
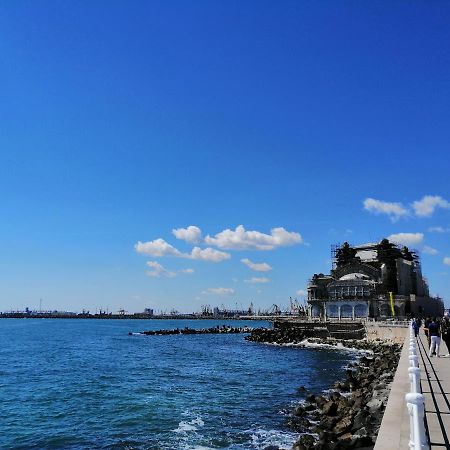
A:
{"points": [[439, 230], [208, 254], [241, 239], [426, 206], [446, 261], [158, 247], [301, 293], [393, 210], [219, 291], [257, 267], [191, 234], [158, 270], [406, 238], [429, 250], [257, 280]]}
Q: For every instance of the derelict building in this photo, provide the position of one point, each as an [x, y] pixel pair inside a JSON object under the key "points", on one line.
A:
{"points": [[373, 280]]}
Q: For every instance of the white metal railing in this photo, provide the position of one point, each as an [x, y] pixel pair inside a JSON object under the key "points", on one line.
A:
{"points": [[415, 400]]}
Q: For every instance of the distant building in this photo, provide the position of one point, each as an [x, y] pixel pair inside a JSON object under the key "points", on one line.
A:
{"points": [[148, 311], [373, 280]]}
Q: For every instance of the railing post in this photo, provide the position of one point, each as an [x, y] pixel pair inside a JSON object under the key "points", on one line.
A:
{"points": [[411, 424], [416, 408], [415, 401], [414, 378], [413, 360]]}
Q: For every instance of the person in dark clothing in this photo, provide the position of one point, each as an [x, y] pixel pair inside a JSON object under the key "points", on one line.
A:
{"points": [[425, 329], [416, 327], [445, 329], [434, 333]]}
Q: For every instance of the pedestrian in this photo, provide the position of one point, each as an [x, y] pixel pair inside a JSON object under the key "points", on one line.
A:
{"points": [[445, 329], [434, 333], [416, 327], [425, 329]]}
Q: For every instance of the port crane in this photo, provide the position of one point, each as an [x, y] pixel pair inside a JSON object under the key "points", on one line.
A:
{"points": [[274, 310]]}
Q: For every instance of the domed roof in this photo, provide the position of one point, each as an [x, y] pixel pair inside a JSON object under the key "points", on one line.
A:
{"points": [[355, 276]]}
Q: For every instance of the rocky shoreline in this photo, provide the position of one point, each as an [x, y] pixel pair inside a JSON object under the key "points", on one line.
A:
{"points": [[350, 416], [213, 330]]}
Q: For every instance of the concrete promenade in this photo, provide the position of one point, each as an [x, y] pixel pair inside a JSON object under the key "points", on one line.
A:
{"points": [[435, 381]]}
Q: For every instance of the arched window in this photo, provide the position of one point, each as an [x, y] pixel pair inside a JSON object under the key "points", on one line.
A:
{"points": [[361, 310], [332, 311], [346, 311], [315, 311]]}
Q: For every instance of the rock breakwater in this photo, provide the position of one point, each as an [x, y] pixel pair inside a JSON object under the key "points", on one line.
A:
{"points": [[213, 330], [350, 416], [277, 336]]}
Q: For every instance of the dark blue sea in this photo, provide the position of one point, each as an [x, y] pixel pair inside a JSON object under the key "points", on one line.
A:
{"points": [[87, 384]]}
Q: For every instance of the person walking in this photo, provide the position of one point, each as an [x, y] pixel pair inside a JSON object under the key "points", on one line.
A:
{"points": [[434, 332], [425, 329], [445, 329], [416, 327]]}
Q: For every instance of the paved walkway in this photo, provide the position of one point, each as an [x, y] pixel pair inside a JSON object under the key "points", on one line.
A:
{"points": [[435, 380]]}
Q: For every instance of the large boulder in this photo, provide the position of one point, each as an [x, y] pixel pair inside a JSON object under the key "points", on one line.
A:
{"points": [[374, 405], [343, 425], [330, 408], [360, 419], [306, 442]]}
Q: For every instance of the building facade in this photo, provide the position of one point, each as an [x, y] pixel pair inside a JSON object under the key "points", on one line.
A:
{"points": [[372, 280]]}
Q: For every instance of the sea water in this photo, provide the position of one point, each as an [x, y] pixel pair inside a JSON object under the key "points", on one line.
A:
{"points": [[87, 384]]}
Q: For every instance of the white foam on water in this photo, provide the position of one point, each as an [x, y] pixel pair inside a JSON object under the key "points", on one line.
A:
{"points": [[189, 426], [199, 447], [338, 346], [198, 421], [307, 344], [287, 344], [346, 394], [184, 427], [263, 438]]}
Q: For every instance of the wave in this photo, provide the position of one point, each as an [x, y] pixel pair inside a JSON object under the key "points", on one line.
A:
{"points": [[306, 343], [198, 447], [261, 438], [186, 426]]}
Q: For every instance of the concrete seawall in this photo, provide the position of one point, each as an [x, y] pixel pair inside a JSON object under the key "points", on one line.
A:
{"points": [[386, 332], [394, 430], [323, 330]]}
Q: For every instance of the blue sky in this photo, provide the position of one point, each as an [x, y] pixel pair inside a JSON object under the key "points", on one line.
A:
{"points": [[123, 121]]}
